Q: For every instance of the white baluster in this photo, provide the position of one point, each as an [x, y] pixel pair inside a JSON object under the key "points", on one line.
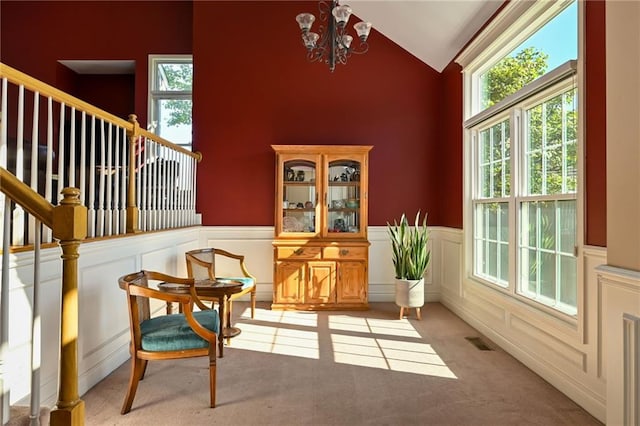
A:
{"points": [[48, 179], [72, 151], [174, 190], [164, 186], [109, 188], [101, 188], [61, 152], [116, 185], [4, 303], [36, 333], [34, 159], [154, 188], [83, 160], [193, 220], [124, 186], [91, 228], [18, 212]]}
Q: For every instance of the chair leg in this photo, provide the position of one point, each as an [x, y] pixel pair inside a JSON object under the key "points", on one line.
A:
{"points": [[228, 321], [137, 370], [212, 374], [144, 368], [253, 303]]}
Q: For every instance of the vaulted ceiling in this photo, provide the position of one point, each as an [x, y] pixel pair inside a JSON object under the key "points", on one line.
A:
{"points": [[434, 31]]}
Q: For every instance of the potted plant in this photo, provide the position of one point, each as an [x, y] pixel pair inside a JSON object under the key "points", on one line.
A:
{"points": [[410, 259]]}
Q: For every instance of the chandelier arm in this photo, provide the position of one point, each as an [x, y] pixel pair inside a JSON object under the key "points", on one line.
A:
{"points": [[325, 10], [315, 55], [324, 36], [362, 48]]}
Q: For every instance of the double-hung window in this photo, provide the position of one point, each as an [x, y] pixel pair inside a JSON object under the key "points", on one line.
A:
{"points": [[522, 133], [170, 88]]}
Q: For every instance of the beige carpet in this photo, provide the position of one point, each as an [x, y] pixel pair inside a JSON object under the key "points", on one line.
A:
{"points": [[342, 368]]}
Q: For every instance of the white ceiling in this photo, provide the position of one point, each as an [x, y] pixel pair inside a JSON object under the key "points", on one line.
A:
{"points": [[433, 31], [100, 67]]}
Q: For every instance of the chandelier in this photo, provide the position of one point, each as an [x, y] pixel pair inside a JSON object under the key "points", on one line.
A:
{"points": [[333, 45]]}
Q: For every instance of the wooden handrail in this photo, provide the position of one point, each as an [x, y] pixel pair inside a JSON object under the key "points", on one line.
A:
{"points": [[29, 199], [20, 78]]}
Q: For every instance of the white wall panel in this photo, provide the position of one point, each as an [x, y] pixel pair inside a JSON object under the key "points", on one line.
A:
{"points": [[564, 351], [620, 290]]}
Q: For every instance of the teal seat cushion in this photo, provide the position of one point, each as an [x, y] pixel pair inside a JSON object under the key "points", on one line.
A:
{"points": [[172, 332], [246, 282]]}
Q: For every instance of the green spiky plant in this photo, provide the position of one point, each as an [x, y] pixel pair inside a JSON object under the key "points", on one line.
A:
{"points": [[409, 244]]}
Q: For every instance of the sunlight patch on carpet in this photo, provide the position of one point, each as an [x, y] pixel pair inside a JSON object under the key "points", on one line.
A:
{"points": [[399, 328], [394, 355], [277, 340], [309, 319], [388, 344]]}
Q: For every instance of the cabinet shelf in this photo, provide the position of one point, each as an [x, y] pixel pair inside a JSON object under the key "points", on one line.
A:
{"points": [[298, 183], [342, 183], [344, 210], [311, 210]]}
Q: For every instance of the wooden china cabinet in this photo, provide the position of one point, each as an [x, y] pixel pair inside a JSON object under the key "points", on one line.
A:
{"points": [[321, 251]]}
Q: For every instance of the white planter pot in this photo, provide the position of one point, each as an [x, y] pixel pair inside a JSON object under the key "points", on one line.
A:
{"points": [[410, 293]]}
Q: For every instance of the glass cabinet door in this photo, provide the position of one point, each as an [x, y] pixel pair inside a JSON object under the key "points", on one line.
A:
{"points": [[299, 196], [344, 197]]}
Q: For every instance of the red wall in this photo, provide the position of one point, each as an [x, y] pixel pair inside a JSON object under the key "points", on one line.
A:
{"points": [[113, 93], [596, 125], [450, 173], [36, 34], [255, 88]]}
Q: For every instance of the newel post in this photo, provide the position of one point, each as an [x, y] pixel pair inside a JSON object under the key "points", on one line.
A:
{"points": [[70, 228], [135, 144]]}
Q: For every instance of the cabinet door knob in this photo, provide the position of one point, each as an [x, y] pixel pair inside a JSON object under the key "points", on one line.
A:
{"points": [[344, 252], [298, 252]]}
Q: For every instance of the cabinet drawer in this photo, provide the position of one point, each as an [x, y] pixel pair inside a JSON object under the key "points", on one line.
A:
{"points": [[345, 252], [299, 252]]}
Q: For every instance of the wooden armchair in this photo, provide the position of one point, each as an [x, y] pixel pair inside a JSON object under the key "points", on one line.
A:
{"points": [[184, 335], [201, 264]]}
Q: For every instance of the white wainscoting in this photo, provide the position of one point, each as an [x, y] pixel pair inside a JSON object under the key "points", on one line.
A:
{"points": [[569, 354], [103, 319], [620, 307]]}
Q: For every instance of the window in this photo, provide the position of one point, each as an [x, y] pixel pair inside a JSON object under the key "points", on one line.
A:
{"points": [[523, 138], [170, 88]]}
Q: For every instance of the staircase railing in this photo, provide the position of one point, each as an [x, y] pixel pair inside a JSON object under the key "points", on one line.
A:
{"points": [[130, 180]]}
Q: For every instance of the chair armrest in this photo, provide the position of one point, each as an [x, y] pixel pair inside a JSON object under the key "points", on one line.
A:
{"points": [[152, 293], [240, 259]]}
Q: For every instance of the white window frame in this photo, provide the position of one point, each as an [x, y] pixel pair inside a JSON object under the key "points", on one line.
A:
{"points": [[156, 95], [515, 23]]}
